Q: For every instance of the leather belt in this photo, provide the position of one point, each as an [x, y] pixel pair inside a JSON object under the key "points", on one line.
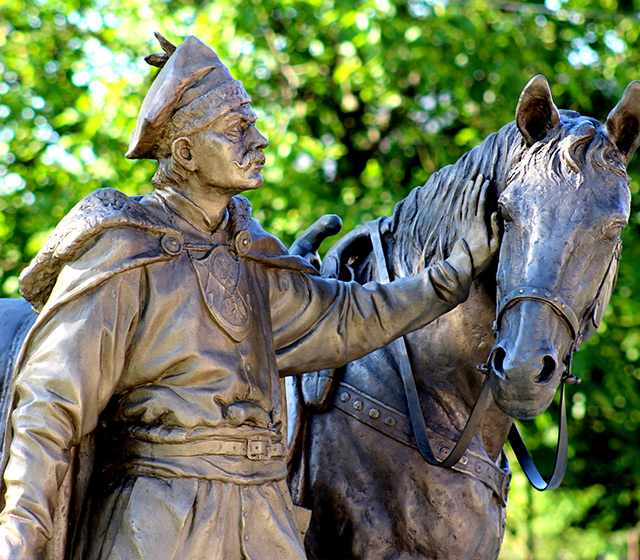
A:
{"points": [[397, 425], [255, 448]]}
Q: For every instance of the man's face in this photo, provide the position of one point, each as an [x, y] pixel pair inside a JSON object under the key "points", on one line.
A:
{"points": [[229, 153]]}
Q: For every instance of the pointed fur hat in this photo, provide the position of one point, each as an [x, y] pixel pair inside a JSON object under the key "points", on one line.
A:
{"points": [[193, 87]]}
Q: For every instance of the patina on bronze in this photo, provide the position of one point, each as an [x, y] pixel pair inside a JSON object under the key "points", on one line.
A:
{"points": [[559, 183], [146, 412]]}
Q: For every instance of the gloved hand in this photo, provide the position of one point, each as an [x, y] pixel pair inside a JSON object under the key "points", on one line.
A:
{"points": [[473, 252]]}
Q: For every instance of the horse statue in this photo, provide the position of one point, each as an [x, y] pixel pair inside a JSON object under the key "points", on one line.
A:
{"points": [[17, 318], [558, 181]]}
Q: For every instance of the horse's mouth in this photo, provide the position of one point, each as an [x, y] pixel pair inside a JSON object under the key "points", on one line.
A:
{"points": [[518, 411], [521, 400]]}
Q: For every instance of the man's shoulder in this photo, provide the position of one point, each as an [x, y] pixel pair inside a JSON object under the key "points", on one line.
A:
{"points": [[98, 211], [103, 213], [248, 235], [264, 243], [253, 242]]}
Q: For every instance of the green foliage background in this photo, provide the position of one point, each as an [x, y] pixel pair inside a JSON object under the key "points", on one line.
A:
{"points": [[361, 100]]}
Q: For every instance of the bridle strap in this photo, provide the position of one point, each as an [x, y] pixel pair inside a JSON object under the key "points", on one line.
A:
{"points": [[399, 348], [526, 462], [564, 310], [577, 330], [549, 297]]}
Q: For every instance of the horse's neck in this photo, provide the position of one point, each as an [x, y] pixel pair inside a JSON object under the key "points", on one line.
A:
{"points": [[445, 356]]}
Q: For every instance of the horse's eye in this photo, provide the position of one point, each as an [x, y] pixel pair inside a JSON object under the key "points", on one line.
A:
{"points": [[613, 231], [504, 212]]}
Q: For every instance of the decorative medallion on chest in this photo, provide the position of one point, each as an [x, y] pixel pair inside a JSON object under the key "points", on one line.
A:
{"points": [[222, 281]]}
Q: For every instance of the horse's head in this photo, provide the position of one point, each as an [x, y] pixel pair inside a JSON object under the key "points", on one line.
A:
{"points": [[564, 207]]}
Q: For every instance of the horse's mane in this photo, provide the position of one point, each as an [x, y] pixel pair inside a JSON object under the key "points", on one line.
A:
{"points": [[426, 224]]}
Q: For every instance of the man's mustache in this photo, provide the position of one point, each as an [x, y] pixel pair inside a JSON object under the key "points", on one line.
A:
{"points": [[251, 157]]}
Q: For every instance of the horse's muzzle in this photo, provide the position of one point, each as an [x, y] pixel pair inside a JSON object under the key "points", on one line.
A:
{"points": [[522, 383]]}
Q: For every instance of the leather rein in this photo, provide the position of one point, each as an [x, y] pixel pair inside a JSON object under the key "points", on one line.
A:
{"points": [[399, 347], [524, 293]]}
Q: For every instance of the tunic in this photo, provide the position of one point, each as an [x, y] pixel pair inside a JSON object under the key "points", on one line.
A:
{"points": [[171, 365]]}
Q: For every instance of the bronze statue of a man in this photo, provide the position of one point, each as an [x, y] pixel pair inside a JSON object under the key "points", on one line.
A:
{"points": [[147, 417]]}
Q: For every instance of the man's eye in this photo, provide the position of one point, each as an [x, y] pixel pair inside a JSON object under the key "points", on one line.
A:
{"points": [[237, 128]]}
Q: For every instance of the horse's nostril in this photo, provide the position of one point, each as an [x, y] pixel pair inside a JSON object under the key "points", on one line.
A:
{"points": [[498, 361], [547, 371]]}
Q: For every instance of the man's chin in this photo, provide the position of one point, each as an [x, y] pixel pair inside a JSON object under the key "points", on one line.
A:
{"points": [[254, 182]]}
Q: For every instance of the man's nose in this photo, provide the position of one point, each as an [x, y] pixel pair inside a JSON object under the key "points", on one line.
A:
{"points": [[258, 141]]}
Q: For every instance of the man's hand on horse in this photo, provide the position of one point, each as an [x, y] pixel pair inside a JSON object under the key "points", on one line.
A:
{"points": [[477, 246]]}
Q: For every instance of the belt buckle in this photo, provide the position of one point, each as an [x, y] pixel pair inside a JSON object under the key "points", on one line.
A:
{"points": [[258, 449]]}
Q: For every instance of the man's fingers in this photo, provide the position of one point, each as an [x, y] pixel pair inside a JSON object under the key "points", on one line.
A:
{"points": [[464, 209], [483, 198], [494, 242], [478, 196]]}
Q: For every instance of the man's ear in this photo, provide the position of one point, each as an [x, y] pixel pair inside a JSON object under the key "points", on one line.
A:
{"points": [[182, 153]]}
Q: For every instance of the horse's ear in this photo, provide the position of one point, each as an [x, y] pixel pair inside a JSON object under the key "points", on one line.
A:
{"points": [[536, 113], [623, 122]]}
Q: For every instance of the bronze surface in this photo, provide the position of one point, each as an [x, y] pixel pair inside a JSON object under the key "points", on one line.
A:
{"points": [[143, 415], [559, 183]]}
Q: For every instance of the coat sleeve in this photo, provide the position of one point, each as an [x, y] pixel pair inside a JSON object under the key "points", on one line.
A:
{"points": [[322, 323], [69, 372]]}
